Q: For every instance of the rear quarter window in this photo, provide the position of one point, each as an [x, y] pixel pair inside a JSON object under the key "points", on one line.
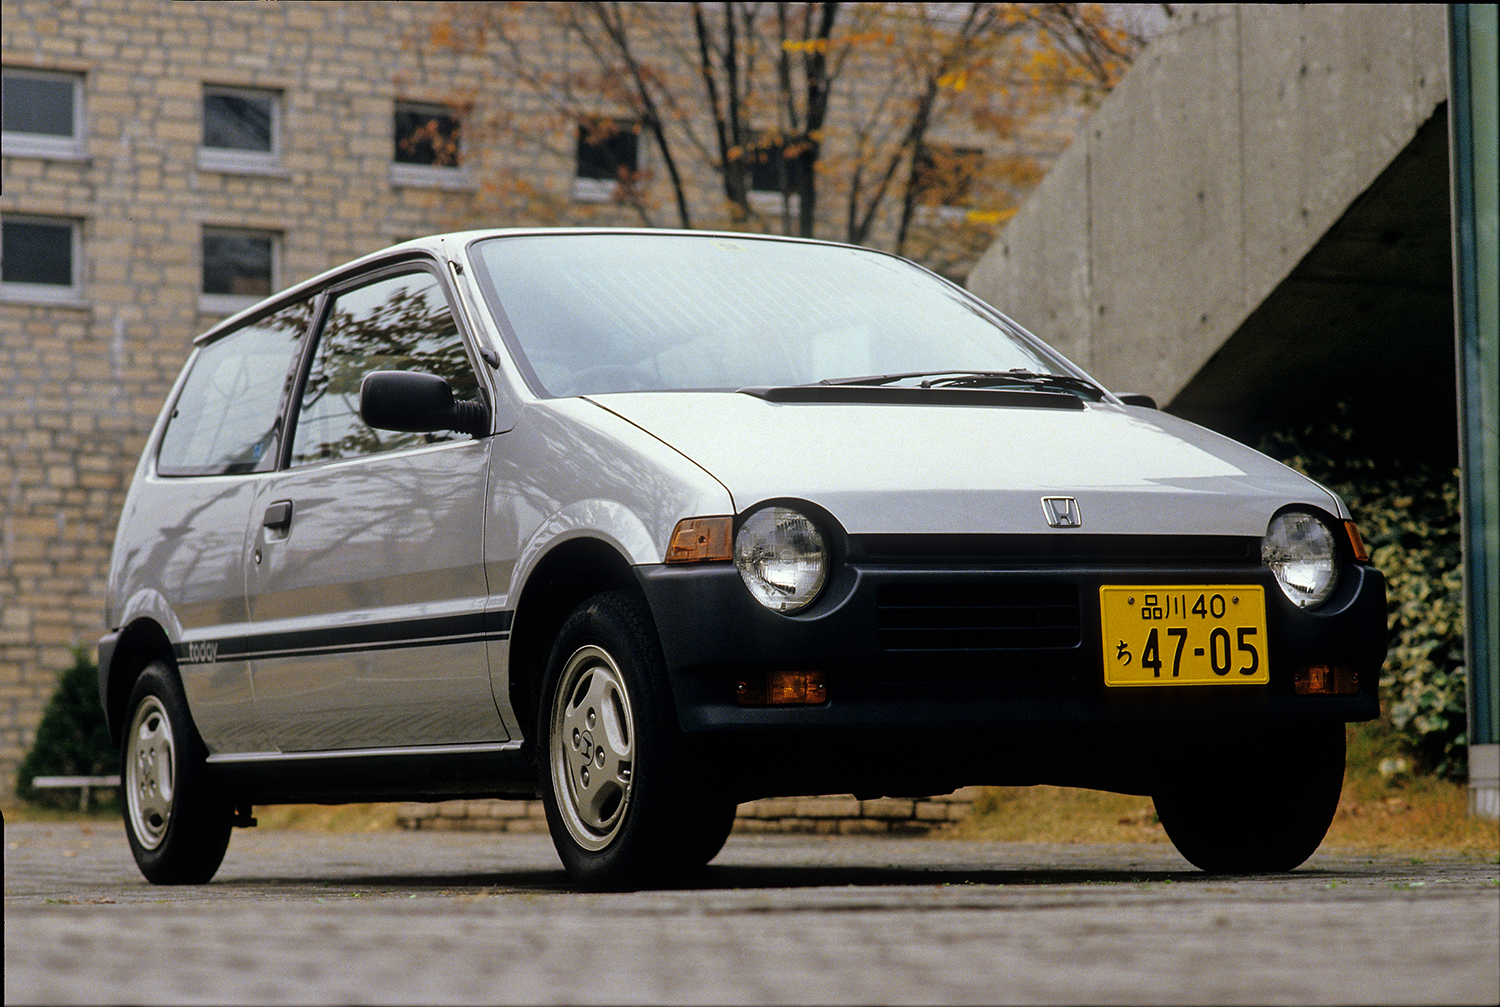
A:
{"points": [[227, 419]]}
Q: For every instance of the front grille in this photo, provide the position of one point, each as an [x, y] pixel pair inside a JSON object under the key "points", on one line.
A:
{"points": [[1056, 549], [982, 616]]}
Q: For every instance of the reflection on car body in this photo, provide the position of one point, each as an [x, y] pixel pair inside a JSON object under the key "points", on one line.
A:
{"points": [[652, 523]]}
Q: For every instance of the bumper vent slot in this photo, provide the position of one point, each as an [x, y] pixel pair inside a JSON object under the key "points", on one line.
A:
{"points": [[947, 617]]}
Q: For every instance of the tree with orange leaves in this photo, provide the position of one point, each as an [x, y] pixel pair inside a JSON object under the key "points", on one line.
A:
{"points": [[912, 126]]}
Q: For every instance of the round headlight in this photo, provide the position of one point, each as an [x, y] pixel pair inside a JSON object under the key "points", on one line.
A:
{"points": [[1300, 551], [781, 557]]}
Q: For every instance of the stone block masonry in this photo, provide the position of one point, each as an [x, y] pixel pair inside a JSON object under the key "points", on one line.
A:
{"points": [[84, 370], [828, 815], [84, 367]]}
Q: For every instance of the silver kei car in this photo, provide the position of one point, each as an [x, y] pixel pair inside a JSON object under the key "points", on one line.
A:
{"points": [[652, 523]]}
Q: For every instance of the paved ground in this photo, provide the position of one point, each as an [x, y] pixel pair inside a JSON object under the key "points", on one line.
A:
{"points": [[301, 917]]}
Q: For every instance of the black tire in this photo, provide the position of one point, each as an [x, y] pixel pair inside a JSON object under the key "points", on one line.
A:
{"points": [[620, 794], [1267, 807], [178, 826], [711, 828]]}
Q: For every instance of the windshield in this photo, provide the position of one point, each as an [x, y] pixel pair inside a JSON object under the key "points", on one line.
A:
{"points": [[595, 313]]}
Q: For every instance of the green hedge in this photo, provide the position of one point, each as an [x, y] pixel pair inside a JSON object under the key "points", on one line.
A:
{"points": [[72, 738], [1408, 513]]}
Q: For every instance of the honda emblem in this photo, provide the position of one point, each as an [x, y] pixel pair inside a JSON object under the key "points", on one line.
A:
{"points": [[1062, 512]]}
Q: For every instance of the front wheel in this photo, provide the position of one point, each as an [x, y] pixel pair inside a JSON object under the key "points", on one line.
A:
{"points": [[177, 826], [622, 805], [1264, 807]]}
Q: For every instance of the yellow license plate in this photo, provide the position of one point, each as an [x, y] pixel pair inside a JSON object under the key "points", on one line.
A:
{"points": [[1184, 635]]}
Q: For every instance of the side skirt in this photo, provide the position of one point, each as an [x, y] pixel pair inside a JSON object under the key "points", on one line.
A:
{"points": [[439, 772]]}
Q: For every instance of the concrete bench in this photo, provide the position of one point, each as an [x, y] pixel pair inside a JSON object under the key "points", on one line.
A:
{"points": [[86, 785]]}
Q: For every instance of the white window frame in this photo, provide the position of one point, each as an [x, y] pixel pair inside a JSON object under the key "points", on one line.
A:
{"points": [[243, 162], [48, 145], [49, 293], [228, 304], [428, 176], [768, 202]]}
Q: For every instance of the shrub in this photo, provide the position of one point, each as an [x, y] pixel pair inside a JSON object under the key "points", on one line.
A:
{"points": [[72, 738], [1408, 513]]}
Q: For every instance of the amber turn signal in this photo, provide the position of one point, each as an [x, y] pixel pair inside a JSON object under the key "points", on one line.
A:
{"points": [[1360, 552], [782, 688], [701, 539], [1325, 680]]}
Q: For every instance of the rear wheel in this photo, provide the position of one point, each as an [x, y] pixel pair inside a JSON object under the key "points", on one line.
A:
{"points": [[178, 827], [1264, 808], [619, 789]]}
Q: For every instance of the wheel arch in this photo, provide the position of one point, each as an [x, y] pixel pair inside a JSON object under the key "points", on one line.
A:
{"points": [[138, 645], [572, 571]]}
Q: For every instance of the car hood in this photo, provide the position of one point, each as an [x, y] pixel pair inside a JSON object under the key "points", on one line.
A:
{"points": [[902, 468]]}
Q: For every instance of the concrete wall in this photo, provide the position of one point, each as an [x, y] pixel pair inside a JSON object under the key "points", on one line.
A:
{"points": [[1239, 137]]}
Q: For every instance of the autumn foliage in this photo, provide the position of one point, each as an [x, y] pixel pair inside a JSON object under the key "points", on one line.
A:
{"points": [[909, 126]]}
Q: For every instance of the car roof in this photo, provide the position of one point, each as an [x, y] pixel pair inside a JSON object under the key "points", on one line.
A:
{"points": [[448, 243]]}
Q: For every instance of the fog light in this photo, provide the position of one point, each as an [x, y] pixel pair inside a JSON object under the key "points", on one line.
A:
{"points": [[1325, 680], [782, 688]]}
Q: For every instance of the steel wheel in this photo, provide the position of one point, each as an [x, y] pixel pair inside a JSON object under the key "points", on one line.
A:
{"points": [[150, 771], [626, 804], [177, 819], [592, 747]]}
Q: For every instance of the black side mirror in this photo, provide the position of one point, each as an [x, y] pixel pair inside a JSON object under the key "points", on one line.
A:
{"points": [[414, 402], [1137, 399]]}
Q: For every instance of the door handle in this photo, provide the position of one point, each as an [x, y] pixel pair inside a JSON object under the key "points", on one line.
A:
{"points": [[278, 516]]}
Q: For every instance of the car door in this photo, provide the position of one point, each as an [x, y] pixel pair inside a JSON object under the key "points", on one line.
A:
{"points": [[366, 584], [187, 515]]}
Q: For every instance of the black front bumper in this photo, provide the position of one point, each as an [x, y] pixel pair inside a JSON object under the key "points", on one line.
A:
{"points": [[1016, 691]]}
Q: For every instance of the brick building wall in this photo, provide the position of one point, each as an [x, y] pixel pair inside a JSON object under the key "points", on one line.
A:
{"points": [[83, 374], [81, 381]]}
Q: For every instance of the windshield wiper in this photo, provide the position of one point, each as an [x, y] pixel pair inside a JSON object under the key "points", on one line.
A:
{"points": [[1017, 377]]}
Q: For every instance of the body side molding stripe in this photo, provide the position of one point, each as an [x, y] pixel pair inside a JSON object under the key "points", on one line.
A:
{"points": [[439, 631], [356, 753]]}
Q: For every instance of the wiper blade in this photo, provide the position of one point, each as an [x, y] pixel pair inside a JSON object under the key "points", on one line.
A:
{"points": [[1015, 378], [884, 379]]}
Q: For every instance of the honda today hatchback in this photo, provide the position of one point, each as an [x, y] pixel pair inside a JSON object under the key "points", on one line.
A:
{"points": [[652, 523]]}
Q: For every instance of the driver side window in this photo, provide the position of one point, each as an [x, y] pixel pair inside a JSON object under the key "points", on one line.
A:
{"points": [[398, 323]]}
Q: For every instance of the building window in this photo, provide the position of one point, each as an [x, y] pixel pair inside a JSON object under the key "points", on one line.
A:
{"points": [[774, 164], [428, 146], [239, 267], [41, 113], [608, 154], [427, 135], [240, 130], [943, 180], [39, 259]]}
